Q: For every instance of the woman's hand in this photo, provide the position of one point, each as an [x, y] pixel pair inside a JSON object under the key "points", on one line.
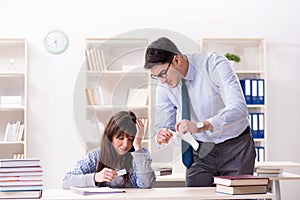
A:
{"points": [[137, 143], [105, 175]]}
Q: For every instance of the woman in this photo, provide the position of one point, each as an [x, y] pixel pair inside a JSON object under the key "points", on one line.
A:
{"points": [[120, 149]]}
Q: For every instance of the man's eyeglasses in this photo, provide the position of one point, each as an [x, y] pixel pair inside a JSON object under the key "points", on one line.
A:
{"points": [[162, 73]]}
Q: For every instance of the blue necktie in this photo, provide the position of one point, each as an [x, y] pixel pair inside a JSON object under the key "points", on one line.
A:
{"points": [[187, 151]]}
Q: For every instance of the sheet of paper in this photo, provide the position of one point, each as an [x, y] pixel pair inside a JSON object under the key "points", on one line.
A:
{"points": [[121, 172], [186, 137], [95, 190]]}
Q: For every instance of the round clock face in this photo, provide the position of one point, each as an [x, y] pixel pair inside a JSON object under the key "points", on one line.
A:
{"points": [[56, 42]]}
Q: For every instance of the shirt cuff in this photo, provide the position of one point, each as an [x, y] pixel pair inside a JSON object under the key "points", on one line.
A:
{"points": [[90, 180], [142, 160]]}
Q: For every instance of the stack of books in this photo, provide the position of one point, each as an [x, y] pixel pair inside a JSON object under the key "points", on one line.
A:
{"points": [[163, 171], [268, 171], [20, 178], [241, 184]]}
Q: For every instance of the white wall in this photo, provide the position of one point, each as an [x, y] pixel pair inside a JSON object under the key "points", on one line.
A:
{"points": [[52, 134]]}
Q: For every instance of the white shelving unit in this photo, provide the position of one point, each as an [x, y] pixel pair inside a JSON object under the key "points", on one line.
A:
{"points": [[114, 66], [13, 86], [252, 66]]}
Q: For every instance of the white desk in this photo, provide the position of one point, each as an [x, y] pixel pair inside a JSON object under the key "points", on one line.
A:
{"points": [[283, 176], [178, 180], [277, 164], [195, 193]]}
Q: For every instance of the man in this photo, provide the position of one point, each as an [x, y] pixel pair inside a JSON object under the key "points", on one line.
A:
{"points": [[216, 113]]}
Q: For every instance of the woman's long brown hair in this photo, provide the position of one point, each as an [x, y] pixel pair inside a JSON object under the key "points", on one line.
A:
{"points": [[124, 122]]}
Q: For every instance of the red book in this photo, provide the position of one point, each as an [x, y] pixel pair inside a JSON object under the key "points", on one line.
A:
{"points": [[240, 180]]}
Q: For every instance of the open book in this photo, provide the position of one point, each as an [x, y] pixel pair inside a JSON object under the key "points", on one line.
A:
{"points": [[95, 190]]}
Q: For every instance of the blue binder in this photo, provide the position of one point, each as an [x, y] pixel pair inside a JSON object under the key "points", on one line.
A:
{"points": [[254, 125], [246, 87], [260, 91], [254, 91], [261, 124], [251, 124], [260, 153], [257, 153]]}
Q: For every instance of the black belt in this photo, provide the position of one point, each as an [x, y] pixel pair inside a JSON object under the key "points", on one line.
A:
{"points": [[245, 132]]}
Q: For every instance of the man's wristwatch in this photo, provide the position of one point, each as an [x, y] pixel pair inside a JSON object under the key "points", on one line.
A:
{"points": [[200, 125]]}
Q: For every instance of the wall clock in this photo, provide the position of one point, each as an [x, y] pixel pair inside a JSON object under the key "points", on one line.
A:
{"points": [[56, 42]]}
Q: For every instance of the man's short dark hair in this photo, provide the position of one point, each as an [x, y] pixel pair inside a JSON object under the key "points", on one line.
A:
{"points": [[160, 51]]}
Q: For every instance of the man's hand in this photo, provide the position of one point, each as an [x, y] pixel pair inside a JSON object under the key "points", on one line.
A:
{"points": [[185, 126], [163, 136]]}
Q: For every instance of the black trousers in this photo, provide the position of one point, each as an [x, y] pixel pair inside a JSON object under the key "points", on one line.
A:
{"points": [[231, 157]]}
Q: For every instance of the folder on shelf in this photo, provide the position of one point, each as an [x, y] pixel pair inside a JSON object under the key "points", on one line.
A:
{"points": [[254, 91], [261, 131], [257, 124], [260, 153], [250, 121], [261, 91], [246, 87], [98, 96], [256, 151], [14, 131], [103, 60], [254, 125], [258, 91], [89, 96], [89, 60], [94, 61], [99, 66], [11, 101], [250, 118]]}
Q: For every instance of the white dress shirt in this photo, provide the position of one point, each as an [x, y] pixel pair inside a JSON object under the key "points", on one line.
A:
{"points": [[215, 95]]}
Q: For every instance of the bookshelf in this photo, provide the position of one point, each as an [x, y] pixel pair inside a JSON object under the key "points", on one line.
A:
{"points": [[251, 67], [13, 97], [114, 70]]}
